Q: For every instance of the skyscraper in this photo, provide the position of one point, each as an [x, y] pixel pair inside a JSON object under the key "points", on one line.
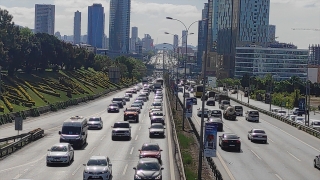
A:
{"points": [[175, 41], [147, 42], [44, 18], [119, 25], [77, 28], [202, 36], [184, 38], [271, 33], [134, 38], [95, 25]]}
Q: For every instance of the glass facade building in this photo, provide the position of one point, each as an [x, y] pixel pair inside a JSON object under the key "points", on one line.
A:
{"points": [[95, 25], [258, 61], [119, 26]]}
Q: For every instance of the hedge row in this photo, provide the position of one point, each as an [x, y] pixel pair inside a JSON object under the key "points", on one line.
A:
{"points": [[35, 91], [7, 103], [47, 91], [25, 93]]}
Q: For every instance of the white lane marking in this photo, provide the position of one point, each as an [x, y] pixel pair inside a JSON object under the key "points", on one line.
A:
{"points": [[292, 136], [270, 140], [293, 156], [92, 150], [227, 126], [17, 176], [136, 137], [255, 154], [131, 150], [3, 170], [125, 169], [278, 176], [139, 128], [225, 167], [142, 120], [75, 171], [102, 137]]}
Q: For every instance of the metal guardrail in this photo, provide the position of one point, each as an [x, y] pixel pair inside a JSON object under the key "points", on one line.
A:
{"points": [[210, 161], [302, 127], [26, 139], [175, 139]]}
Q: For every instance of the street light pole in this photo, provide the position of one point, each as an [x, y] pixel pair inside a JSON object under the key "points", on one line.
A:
{"points": [[185, 67], [203, 104], [163, 61]]}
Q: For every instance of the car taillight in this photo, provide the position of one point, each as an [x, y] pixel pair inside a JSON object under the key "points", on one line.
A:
{"points": [[225, 141], [238, 141]]}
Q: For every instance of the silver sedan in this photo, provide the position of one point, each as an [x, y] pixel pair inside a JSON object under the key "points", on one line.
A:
{"points": [[60, 153], [257, 135]]}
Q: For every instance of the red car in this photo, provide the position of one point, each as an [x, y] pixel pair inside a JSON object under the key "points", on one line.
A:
{"points": [[150, 150]]}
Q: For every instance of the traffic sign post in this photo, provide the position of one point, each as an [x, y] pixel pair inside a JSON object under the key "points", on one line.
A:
{"points": [[18, 121]]}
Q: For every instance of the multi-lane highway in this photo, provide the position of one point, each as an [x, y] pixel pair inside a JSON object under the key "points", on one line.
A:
{"points": [[30, 162], [288, 155]]}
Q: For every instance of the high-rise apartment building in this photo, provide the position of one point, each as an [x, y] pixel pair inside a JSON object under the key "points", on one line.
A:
{"points": [[95, 25], [202, 36], [175, 41], [184, 38], [44, 18], [314, 51], [134, 38], [239, 23], [271, 33], [119, 25], [147, 43], [77, 28]]}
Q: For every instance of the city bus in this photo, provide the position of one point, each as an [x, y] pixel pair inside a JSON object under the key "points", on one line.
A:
{"points": [[197, 91]]}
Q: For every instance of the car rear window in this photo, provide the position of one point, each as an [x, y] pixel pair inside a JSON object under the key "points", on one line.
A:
{"points": [[117, 99], [259, 131], [254, 112], [225, 102], [121, 125], [238, 107], [113, 105], [157, 114], [94, 119], [216, 112], [231, 136]]}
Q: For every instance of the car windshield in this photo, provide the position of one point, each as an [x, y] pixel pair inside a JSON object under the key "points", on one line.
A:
{"points": [[117, 99], [121, 125], [97, 162], [300, 119], [94, 119], [148, 166], [259, 131], [156, 104], [230, 136], [150, 148], [317, 123], [254, 112], [238, 107], [282, 111], [71, 130], [215, 112], [135, 105], [226, 102], [131, 110], [59, 149], [157, 114], [157, 126]]}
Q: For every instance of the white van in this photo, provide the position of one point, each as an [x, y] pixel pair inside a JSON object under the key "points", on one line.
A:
{"points": [[74, 131]]}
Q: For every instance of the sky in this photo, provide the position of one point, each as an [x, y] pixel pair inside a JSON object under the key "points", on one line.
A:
{"points": [[150, 17]]}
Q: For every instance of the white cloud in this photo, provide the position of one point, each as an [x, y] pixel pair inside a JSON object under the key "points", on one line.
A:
{"points": [[21, 16]]}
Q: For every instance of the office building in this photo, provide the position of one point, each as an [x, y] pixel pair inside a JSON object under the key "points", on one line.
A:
{"points": [[84, 39], [119, 25], [77, 28], [260, 61], [202, 37], [147, 43], [184, 38], [44, 18], [105, 43], [271, 33], [95, 25], [134, 38], [175, 41], [314, 51]]}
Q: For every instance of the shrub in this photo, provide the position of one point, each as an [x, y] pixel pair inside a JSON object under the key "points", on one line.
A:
{"points": [[35, 91], [25, 93], [48, 92], [1, 108], [7, 103]]}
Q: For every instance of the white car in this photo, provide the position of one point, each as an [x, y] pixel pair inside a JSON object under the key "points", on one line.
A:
{"points": [[98, 167], [60, 153], [282, 113], [300, 120]]}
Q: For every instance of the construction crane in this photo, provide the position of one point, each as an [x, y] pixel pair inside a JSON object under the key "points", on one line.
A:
{"points": [[306, 29]]}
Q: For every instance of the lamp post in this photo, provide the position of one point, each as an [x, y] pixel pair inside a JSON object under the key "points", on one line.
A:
{"points": [[185, 66], [163, 60], [271, 89]]}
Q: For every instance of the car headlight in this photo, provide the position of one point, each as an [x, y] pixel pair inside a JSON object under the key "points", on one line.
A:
{"points": [[141, 156], [85, 171], [137, 177], [78, 137], [159, 155], [158, 177]]}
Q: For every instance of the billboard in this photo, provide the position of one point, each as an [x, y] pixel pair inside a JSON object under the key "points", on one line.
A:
{"points": [[210, 139], [212, 81], [189, 106], [302, 103]]}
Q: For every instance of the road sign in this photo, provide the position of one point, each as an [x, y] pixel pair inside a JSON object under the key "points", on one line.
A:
{"points": [[212, 81], [210, 139], [302, 103], [18, 123]]}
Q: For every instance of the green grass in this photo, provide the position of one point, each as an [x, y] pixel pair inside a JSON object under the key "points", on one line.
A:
{"points": [[36, 77], [185, 142], [186, 158], [190, 174]]}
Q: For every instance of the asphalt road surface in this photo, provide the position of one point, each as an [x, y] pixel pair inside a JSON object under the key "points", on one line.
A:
{"points": [[288, 155], [30, 162]]}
